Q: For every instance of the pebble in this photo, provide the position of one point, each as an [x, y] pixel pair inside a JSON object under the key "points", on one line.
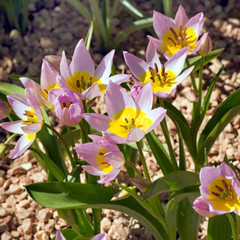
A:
{"points": [[27, 225], [23, 213], [3, 212], [6, 236], [105, 224], [44, 215]]}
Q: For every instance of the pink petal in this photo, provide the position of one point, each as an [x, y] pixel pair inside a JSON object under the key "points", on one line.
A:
{"points": [[93, 170], [199, 42], [136, 65], [181, 17], [104, 69], [183, 76], [135, 135], [156, 42], [109, 177], [97, 121], [164, 94], [32, 128], [64, 67], [29, 83], [82, 60], [144, 99], [196, 23], [176, 61], [21, 146], [156, 116], [152, 57], [91, 92], [115, 159], [101, 236], [117, 99], [48, 75], [114, 138], [161, 23], [201, 206], [14, 127], [59, 236], [118, 78]]}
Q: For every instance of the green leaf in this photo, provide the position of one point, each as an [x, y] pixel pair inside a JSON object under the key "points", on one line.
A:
{"points": [[167, 7], [195, 61], [133, 10], [178, 117], [88, 38], [75, 195], [69, 234], [219, 228], [16, 77], [159, 153], [135, 26], [50, 165], [174, 181], [8, 89]]}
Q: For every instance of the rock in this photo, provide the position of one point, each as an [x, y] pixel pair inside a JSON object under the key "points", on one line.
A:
{"points": [[41, 235], [45, 42], [4, 224], [27, 225], [23, 213], [7, 183], [14, 34], [38, 177], [24, 204], [6, 236], [44, 215], [15, 234], [26, 166], [16, 171], [105, 224], [14, 189], [66, 38], [2, 173], [3, 212]]}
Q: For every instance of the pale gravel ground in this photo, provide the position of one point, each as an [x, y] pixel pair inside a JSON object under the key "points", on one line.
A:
{"points": [[61, 28]]}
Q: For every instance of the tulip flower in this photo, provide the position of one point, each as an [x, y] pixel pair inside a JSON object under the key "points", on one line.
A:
{"points": [[31, 121], [164, 78], [81, 77], [4, 109], [220, 191], [128, 120], [101, 236], [48, 82], [177, 34], [205, 46], [104, 157], [68, 107]]}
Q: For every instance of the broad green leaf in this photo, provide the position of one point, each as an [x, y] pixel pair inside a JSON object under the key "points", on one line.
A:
{"points": [[187, 219], [159, 153], [195, 61], [174, 181], [135, 26], [75, 195], [133, 10], [8, 89], [219, 228], [177, 117], [50, 165], [16, 77]]}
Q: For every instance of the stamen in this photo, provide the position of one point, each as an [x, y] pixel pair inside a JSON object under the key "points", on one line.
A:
{"points": [[219, 188], [225, 185], [172, 41], [156, 67], [133, 121], [175, 35], [78, 84], [126, 120], [216, 194]]}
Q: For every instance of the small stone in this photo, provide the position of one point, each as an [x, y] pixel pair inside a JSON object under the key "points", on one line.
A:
{"points": [[16, 171], [66, 38], [23, 213], [27, 225], [3, 212], [22, 196], [55, 215], [14, 189], [14, 34], [4, 224], [15, 234], [24, 204], [2, 173], [44, 215], [7, 183], [45, 42], [6, 236], [41, 235], [105, 224]]}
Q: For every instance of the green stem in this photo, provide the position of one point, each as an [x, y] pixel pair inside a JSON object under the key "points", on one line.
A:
{"points": [[192, 77], [134, 167], [73, 145], [96, 220], [237, 225], [168, 140], [11, 138], [143, 161], [84, 133], [233, 226], [63, 142]]}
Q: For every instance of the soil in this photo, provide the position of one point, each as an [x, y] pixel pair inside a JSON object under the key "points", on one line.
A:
{"points": [[59, 27]]}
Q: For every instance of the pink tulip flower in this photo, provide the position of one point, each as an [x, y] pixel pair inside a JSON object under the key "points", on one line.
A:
{"points": [[177, 34], [104, 158], [31, 121], [4, 109], [128, 120], [164, 78], [101, 236], [220, 191], [81, 77], [67, 105]]}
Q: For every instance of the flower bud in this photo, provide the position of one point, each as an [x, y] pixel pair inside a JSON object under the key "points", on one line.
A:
{"points": [[4, 109], [3, 149], [205, 45], [121, 194], [54, 61], [192, 96], [135, 90], [141, 183]]}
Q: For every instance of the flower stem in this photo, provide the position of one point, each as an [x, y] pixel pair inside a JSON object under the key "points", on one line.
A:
{"points": [[64, 144], [192, 77], [134, 167], [84, 133], [143, 161], [73, 145], [11, 138], [233, 226]]}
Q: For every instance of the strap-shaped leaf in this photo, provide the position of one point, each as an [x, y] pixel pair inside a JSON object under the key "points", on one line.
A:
{"points": [[75, 195], [175, 181], [133, 10], [8, 89], [159, 153]]}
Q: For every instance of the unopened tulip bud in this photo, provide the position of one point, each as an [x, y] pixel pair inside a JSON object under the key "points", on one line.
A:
{"points": [[141, 183], [122, 194], [205, 45], [4, 109], [54, 61], [3, 149], [192, 96]]}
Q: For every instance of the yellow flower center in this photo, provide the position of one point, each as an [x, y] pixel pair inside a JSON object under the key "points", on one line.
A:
{"points": [[128, 118], [80, 81], [31, 117], [177, 38], [45, 91], [31, 136], [103, 165], [161, 80], [222, 195]]}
